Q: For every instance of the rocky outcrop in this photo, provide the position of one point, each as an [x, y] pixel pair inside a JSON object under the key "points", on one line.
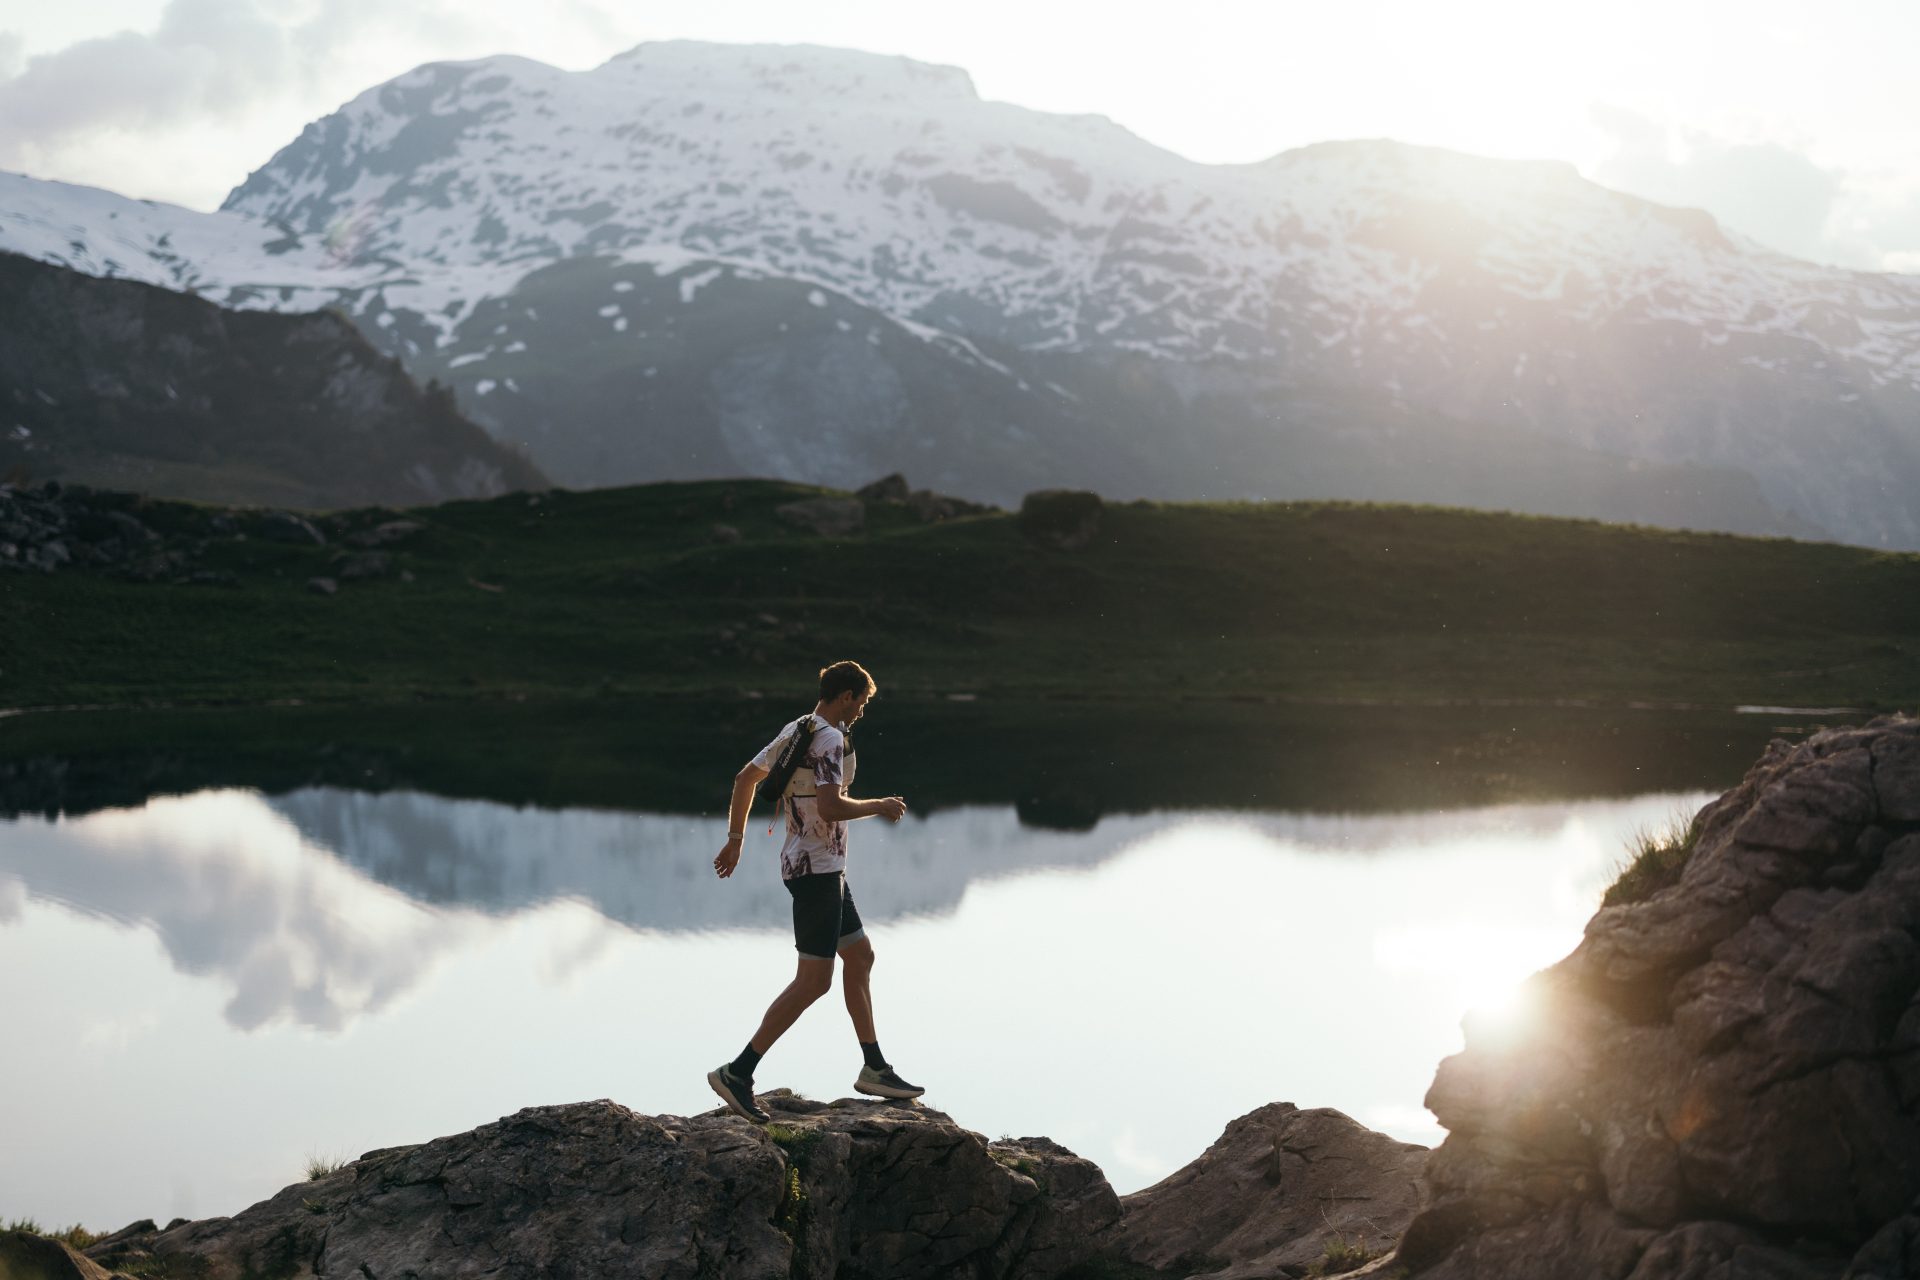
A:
{"points": [[51, 528], [1282, 1191], [27, 1256], [925, 505], [594, 1190], [824, 517], [1723, 1079], [1066, 519]]}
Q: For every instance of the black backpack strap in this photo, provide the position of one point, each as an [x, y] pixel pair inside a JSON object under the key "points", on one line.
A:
{"points": [[781, 775]]}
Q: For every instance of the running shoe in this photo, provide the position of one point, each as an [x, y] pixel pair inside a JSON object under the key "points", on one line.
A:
{"points": [[883, 1082], [736, 1093]]}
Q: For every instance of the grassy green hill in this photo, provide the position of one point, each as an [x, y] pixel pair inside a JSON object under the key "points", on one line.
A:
{"points": [[630, 591]]}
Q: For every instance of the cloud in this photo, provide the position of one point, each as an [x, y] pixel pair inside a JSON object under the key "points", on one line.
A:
{"points": [[1768, 191], [1762, 189], [177, 103], [208, 59]]}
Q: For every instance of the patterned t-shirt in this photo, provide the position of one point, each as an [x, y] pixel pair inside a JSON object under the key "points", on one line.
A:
{"points": [[813, 845]]}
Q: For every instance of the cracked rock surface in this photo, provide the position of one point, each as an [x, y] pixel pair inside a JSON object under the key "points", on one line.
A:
{"points": [[1722, 1079], [1268, 1196], [594, 1190]]}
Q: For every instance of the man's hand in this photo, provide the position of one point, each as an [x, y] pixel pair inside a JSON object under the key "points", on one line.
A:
{"points": [[728, 859], [893, 808]]}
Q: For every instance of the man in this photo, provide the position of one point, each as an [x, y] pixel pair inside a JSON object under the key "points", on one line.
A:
{"points": [[813, 863]]}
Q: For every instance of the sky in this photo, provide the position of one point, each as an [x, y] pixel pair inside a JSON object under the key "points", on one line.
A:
{"points": [[1789, 121]]}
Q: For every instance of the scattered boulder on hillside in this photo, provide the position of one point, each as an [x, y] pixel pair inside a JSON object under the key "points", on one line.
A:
{"points": [[1066, 519], [1723, 1079], [54, 527], [826, 517], [593, 1189], [925, 505], [385, 534], [891, 488], [362, 564], [1282, 1191], [928, 506], [284, 526]]}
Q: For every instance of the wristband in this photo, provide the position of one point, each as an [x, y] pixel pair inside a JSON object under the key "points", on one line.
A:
{"points": [[736, 835]]}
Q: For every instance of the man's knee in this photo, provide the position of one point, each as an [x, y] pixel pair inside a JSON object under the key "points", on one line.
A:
{"points": [[858, 959], [815, 978]]}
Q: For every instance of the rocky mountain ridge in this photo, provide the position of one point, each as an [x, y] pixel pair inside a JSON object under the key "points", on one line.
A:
{"points": [[127, 385], [699, 260]]}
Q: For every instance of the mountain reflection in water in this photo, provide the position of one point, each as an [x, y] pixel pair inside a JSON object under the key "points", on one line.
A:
{"points": [[320, 906]]}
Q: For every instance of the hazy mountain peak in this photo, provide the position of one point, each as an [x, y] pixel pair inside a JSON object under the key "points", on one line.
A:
{"points": [[790, 70]]}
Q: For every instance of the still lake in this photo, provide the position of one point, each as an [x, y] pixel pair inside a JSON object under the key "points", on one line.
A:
{"points": [[207, 987]]}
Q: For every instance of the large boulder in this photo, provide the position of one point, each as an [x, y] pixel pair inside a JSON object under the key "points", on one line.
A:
{"points": [[1066, 519], [27, 1256], [593, 1189], [1724, 1078], [824, 517], [1281, 1192]]}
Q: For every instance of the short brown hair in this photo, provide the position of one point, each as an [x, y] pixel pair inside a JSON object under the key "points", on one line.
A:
{"points": [[844, 677]]}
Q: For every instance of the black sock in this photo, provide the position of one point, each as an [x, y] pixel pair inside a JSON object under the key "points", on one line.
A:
{"points": [[875, 1058], [742, 1066]]}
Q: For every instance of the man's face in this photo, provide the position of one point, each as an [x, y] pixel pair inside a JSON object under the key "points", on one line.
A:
{"points": [[853, 704]]}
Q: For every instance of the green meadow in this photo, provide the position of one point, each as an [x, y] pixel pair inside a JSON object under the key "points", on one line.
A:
{"points": [[633, 592]]}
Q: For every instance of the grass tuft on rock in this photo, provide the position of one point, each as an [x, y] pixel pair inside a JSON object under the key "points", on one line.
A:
{"points": [[74, 1237], [796, 1141], [1655, 860], [319, 1167], [1341, 1254]]}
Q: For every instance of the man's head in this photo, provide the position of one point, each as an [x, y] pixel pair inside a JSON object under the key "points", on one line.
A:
{"points": [[844, 690]]}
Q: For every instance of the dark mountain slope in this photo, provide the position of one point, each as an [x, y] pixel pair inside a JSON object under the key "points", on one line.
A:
{"points": [[127, 385]]}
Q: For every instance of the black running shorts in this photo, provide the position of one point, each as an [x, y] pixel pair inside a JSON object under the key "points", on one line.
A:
{"points": [[824, 917]]}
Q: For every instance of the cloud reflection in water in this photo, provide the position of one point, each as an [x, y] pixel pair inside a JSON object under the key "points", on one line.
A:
{"points": [[322, 906], [235, 892]]}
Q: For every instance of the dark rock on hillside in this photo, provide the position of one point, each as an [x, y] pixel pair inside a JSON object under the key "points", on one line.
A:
{"points": [[891, 488], [51, 528], [1280, 1192], [135, 387], [1066, 519], [1724, 1078], [386, 533], [25, 1256], [826, 517], [593, 1189], [926, 505], [284, 526]]}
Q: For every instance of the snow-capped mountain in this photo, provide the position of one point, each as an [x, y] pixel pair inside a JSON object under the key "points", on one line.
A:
{"points": [[701, 259]]}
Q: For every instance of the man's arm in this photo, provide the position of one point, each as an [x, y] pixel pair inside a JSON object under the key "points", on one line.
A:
{"points": [[835, 807], [745, 783]]}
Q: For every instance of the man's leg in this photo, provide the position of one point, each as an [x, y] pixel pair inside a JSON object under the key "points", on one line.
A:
{"points": [[856, 967], [813, 979], [856, 957], [816, 923]]}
